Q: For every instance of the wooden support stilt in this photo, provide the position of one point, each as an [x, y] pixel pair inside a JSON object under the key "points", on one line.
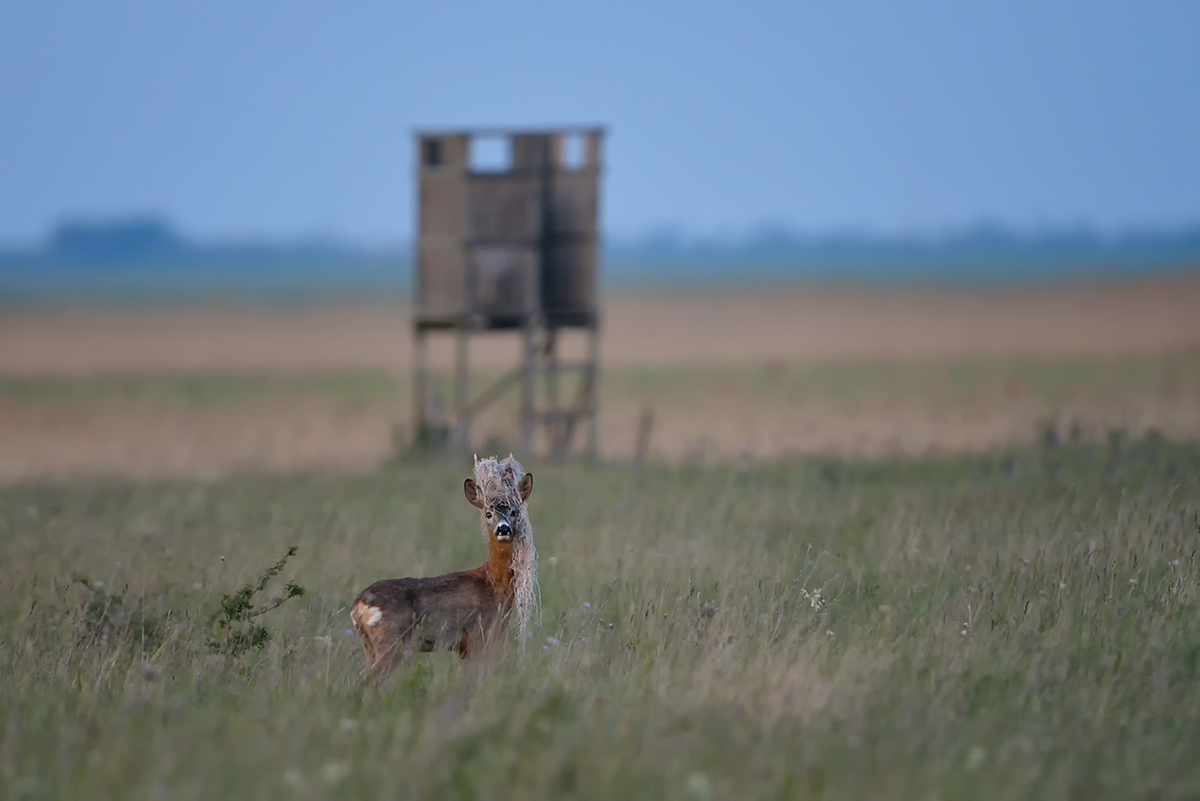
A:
{"points": [[421, 424], [592, 379], [462, 411], [554, 428]]}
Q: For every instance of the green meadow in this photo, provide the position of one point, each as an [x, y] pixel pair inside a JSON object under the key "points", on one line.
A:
{"points": [[1010, 625]]}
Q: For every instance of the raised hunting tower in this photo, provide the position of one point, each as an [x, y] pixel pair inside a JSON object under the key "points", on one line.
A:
{"points": [[510, 245]]}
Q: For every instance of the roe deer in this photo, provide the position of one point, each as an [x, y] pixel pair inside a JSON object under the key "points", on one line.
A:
{"points": [[462, 611]]}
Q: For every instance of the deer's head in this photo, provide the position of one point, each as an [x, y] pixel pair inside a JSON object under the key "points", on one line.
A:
{"points": [[500, 517]]}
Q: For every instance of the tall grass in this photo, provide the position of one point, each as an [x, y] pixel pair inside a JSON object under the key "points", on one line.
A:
{"points": [[1017, 625]]}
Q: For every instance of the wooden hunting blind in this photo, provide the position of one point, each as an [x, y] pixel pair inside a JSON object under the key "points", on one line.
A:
{"points": [[508, 240]]}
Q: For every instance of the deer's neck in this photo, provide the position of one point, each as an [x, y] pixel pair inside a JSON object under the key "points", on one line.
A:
{"points": [[499, 566]]}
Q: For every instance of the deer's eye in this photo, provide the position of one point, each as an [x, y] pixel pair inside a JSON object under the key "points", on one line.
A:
{"points": [[489, 515]]}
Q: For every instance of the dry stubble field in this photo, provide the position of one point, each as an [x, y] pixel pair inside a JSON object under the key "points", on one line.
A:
{"points": [[1012, 618], [734, 374]]}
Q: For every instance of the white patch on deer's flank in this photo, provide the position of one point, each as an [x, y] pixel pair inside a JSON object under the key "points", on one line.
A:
{"points": [[367, 615]]}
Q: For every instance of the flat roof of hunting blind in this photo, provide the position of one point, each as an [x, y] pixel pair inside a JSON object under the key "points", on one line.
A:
{"points": [[566, 129]]}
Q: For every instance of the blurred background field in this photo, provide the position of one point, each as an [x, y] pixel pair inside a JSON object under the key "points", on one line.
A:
{"points": [[727, 374]]}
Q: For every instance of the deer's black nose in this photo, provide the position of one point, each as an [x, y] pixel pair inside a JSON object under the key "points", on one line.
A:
{"points": [[503, 530]]}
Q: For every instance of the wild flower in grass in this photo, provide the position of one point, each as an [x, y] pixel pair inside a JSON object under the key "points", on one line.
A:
{"points": [[587, 606], [698, 786], [814, 598], [334, 772]]}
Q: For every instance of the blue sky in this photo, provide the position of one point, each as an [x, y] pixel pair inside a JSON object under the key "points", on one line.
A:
{"points": [[293, 119]]}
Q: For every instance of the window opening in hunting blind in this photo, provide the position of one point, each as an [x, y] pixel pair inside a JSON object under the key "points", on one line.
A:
{"points": [[574, 152], [491, 154], [433, 153]]}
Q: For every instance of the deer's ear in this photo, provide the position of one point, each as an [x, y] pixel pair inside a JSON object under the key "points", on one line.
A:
{"points": [[471, 490], [526, 486]]}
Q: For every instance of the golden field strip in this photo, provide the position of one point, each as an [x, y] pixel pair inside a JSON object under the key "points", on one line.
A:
{"points": [[727, 374]]}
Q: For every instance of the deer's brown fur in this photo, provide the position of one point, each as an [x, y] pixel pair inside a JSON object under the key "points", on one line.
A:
{"points": [[463, 611]]}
